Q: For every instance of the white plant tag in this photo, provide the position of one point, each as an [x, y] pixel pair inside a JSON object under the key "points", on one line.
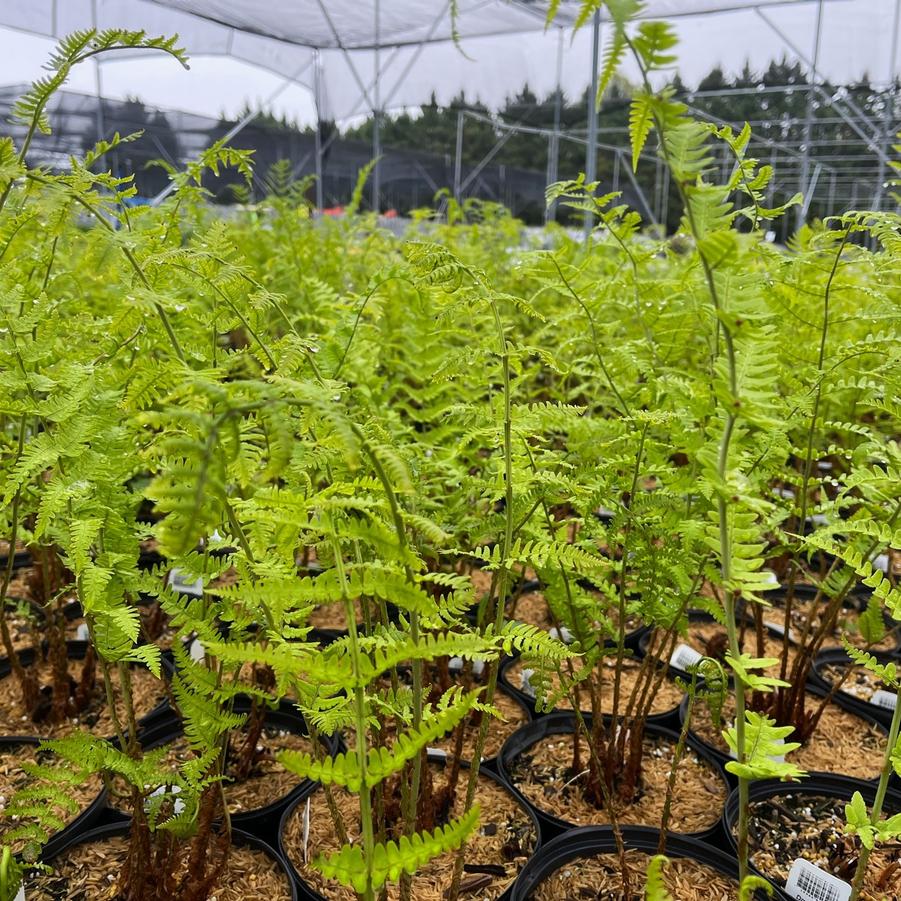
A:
{"points": [[525, 683], [807, 882], [20, 895], [83, 633], [880, 561], [563, 634], [306, 831], [885, 699], [455, 665], [818, 519], [196, 651], [178, 581], [437, 752], [684, 656], [786, 493], [770, 578]]}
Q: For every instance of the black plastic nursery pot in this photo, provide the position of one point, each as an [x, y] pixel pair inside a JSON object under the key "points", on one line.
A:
{"points": [[669, 719], [856, 600], [306, 892], [113, 830], [812, 688], [20, 558], [85, 819], [588, 841], [76, 650], [261, 821], [564, 723], [845, 697], [841, 788]]}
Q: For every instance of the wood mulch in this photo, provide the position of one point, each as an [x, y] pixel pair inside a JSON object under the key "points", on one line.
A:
{"points": [[147, 691], [789, 826], [90, 872], [599, 878], [665, 699], [13, 778], [545, 776], [268, 782], [842, 743], [846, 624], [860, 684], [495, 853]]}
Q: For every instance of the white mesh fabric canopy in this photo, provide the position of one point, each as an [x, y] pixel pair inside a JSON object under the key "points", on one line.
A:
{"points": [[365, 24], [504, 41]]}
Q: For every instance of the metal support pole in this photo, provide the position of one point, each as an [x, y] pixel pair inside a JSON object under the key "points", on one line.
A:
{"points": [[376, 113], [591, 149], [888, 112], [803, 185], [553, 149], [458, 159], [98, 82], [808, 195], [317, 92], [616, 165]]}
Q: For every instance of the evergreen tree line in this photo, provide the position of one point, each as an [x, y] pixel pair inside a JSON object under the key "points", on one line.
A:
{"points": [[775, 102]]}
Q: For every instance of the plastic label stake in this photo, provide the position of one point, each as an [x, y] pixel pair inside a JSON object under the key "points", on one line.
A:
{"points": [[807, 882], [683, 657], [886, 699], [180, 582]]}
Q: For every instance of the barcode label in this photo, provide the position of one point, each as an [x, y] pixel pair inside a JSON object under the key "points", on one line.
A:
{"points": [[885, 699], [684, 656], [181, 583], [807, 882]]}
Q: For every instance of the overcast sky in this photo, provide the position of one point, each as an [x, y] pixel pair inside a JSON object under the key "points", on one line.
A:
{"points": [[856, 39]]}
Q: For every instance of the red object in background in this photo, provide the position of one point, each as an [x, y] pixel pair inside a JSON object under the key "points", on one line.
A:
{"points": [[333, 211], [389, 214]]}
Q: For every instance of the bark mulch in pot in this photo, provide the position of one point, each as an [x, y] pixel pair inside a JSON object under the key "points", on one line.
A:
{"points": [[860, 684], [333, 617], [842, 743], [499, 730], [268, 781], [811, 826], [531, 607], [710, 639], [665, 699], [544, 775], [846, 624], [148, 692], [90, 872], [13, 778], [600, 878], [495, 853]]}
